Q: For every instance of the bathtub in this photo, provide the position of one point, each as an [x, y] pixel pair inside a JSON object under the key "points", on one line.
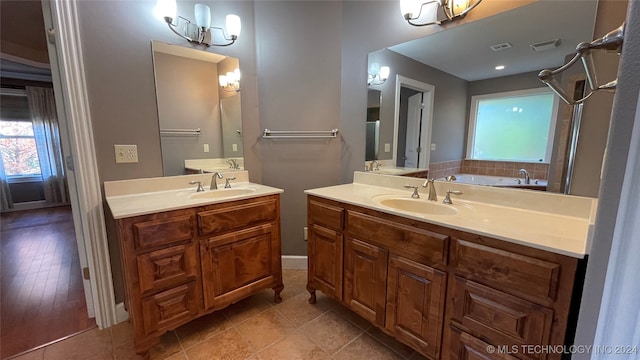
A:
{"points": [[500, 181]]}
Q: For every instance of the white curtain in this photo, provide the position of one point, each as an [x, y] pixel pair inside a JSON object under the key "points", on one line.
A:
{"points": [[6, 202], [47, 134]]}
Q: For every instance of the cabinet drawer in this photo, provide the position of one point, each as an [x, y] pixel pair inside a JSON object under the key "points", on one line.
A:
{"points": [[501, 318], [463, 346], [524, 276], [325, 214], [227, 217], [166, 267], [163, 231], [169, 309], [417, 244]]}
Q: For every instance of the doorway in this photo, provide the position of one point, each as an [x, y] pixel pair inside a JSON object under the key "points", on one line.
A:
{"points": [[413, 116], [44, 295]]}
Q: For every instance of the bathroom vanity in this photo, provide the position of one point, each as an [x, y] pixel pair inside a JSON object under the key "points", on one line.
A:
{"points": [[441, 278], [187, 253]]}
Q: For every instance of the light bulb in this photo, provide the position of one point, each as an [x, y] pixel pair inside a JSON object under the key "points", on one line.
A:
{"points": [[384, 73], [233, 25], [203, 15], [165, 9], [410, 8], [237, 74], [223, 80]]}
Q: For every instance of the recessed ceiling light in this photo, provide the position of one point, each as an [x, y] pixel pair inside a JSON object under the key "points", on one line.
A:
{"points": [[500, 67]]}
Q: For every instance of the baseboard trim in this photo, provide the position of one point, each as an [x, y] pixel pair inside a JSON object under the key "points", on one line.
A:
{"points": [[294, 262], [121, 313]]}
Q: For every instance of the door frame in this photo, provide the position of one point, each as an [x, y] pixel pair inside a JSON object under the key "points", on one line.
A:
{"points": [[427, 99], [73, 106]]}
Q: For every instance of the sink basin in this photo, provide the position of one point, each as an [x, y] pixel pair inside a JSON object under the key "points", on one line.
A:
{"points": [[418, 206], [221, 193]]}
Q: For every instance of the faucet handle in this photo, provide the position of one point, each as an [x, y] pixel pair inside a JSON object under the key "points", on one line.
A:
{"points": [[200, 188], [415, 194], [227, 185], [447, 199]]}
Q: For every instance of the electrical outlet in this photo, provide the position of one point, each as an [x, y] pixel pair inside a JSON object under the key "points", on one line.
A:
{"points": [[433, 147], [126, 153], [387, 147], [305, 233], [206, 147]]}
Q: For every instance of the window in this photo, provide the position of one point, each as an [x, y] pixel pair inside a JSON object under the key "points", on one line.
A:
{"points": [[512, 126], [18, 148]]}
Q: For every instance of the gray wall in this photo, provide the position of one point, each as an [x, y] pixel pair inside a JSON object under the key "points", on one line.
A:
{"points": [[449, 111], [187, 94], [298, 67]]}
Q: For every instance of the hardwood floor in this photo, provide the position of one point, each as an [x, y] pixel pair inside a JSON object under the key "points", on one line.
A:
{"points": [[42, 298]]}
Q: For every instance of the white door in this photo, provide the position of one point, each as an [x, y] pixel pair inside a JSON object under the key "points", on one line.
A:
{"points": [[414, 116], [66, 150]]}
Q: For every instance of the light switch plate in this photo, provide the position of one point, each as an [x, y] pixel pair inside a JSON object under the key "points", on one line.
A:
{"points": [[433, 147], [126, 153], [387, 147], [234, 147], [206, 147]]}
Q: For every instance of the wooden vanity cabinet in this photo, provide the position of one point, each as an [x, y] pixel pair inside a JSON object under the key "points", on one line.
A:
{"points": [[386, 271], [182, 264], [446, 293]]}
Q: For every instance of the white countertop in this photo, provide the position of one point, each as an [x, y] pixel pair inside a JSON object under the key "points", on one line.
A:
{"points": [[127, 198], [558, 223]]}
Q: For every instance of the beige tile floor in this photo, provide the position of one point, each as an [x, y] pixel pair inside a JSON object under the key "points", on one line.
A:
{"points": [[253, 329]]}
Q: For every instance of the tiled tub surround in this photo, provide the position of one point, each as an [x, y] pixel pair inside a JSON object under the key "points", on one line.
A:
{"points": [[504, 168], [551, 222]]}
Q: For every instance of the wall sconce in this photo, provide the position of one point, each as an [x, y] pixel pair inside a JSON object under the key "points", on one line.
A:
{"points": [[231, 81], [201, 32], [377, 74], [423, 13]]}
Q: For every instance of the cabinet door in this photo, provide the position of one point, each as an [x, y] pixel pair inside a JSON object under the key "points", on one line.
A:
{"points": [[365, 278], [325, 261], [237, 264], [415, 304]]}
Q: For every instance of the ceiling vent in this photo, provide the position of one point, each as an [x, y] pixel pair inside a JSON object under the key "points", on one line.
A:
{"points": [[499, 47], [545, 45]]}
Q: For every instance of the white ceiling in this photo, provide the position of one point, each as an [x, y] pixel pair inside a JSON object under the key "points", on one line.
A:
{"points": [[464, 51]]}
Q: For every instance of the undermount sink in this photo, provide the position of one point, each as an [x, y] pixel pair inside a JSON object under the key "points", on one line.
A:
{"points": [[222, 193], [421, 206]]}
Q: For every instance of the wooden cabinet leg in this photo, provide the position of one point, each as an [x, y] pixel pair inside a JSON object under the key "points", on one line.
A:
{"points": [[277, 290], [312, 292]]}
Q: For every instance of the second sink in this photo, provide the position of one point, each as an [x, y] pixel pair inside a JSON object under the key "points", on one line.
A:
{"points": [[222, 193], [417, 206]]}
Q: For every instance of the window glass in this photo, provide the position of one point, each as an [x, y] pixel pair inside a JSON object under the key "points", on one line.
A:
{"points": [[18, 148], [512, 128]]}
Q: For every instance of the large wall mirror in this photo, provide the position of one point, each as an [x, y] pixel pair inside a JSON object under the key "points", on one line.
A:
{"points": [[464, 62], [198, 113]]}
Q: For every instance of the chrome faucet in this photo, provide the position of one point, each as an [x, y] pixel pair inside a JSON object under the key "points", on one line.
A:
{"points": [[451, 178], [431, 188], [527, 179], [214, 184], [226, 184], [415, 194], [200, 188], [447, 199], [233, 164]]}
